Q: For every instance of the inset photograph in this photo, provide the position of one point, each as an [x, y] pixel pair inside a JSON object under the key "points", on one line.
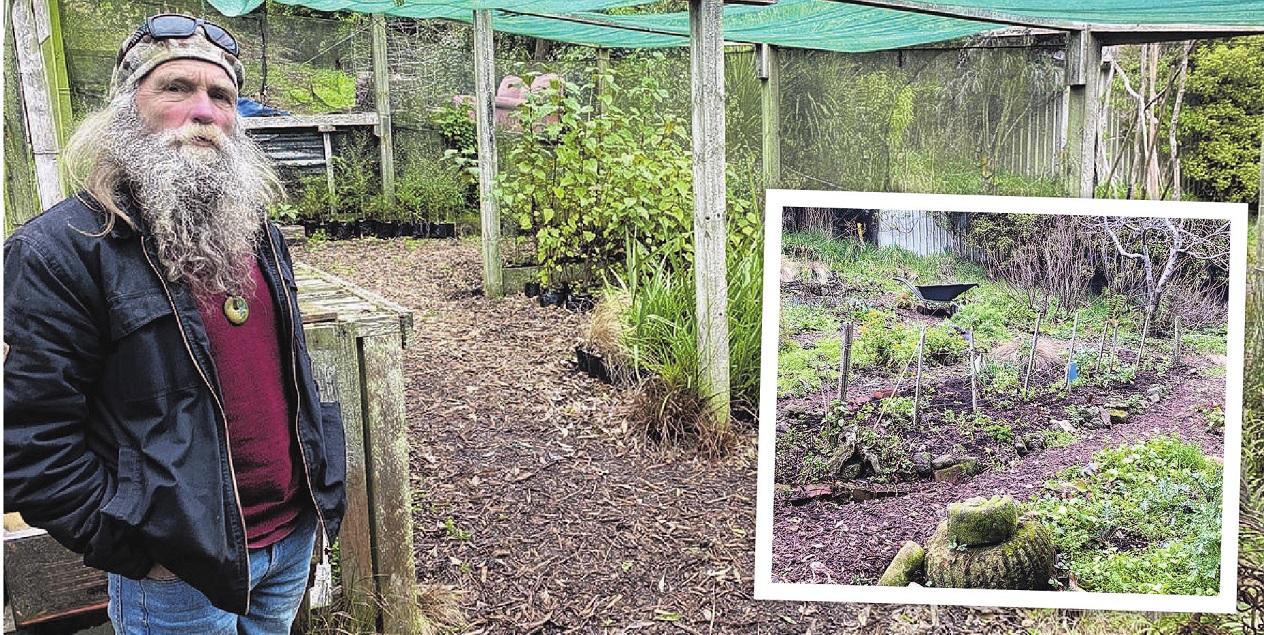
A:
{"points": [[1001, 401]]}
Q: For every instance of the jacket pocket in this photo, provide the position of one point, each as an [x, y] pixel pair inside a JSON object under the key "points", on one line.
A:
{"points": [[335, 442], [126, 503], [147, 357]]}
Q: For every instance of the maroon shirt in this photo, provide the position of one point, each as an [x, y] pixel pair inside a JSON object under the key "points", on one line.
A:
{"points": [[260, 432]]}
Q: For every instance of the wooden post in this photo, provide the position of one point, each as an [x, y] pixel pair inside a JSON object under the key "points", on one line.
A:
{"points": [[1083, 80], [1114, 346], [325, 132], [1259, 212], [974, 385], [382, 103], [390, 490], [1071, 351], [603, 67], [335, 365], [1031, 359], [1145, 332], [710, 234], [1176, 341], [28, 26], [844, 367], [1101, 346], [917, 386], [484, 110], [769, 71]]}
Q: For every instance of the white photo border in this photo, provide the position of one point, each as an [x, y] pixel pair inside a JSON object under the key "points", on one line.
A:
{"points": [[1224, 602]]}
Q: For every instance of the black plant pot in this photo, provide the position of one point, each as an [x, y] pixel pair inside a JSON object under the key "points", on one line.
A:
{"points": [[310, 226], [421, 229], [338, 230], [531, 289], [582, 359], [442, 230], [553, 297], [597, 368], [579, 303]]}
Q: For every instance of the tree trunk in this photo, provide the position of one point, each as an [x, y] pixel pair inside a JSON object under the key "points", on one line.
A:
{"points": [[1174, 158]]}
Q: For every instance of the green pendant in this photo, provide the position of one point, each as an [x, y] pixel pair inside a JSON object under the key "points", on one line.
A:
{"points": [[236, 310]]}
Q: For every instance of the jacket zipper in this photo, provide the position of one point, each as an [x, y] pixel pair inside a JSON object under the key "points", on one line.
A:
{"points": [[298, 401], [219, 406]]}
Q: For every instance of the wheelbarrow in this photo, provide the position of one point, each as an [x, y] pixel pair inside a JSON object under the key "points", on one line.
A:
{"points": [[937, 298]]}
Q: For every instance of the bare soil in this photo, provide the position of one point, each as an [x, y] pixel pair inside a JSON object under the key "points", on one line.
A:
{"points": [[543, 515], [823, 538]]}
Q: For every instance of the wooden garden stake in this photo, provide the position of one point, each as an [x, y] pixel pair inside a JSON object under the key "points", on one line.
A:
{"points": [[1145, 331], [974, 387], [1176, 342], [1031, 359], [1114, 346], [917, 390], [844, 370], [1071, 351], [1101, 347]]}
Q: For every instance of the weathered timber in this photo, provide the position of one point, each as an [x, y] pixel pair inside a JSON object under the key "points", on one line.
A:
{"points": [[706, 58], [37, 103], [1083, 81], [358, 357], [484, 112], [382, 104], [311, 121], [386, 443], [769, 71], [371, 313], [335, 364], [54, 583]]}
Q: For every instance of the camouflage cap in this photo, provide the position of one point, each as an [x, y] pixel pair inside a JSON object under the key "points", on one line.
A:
{"points": [[149, 53]]}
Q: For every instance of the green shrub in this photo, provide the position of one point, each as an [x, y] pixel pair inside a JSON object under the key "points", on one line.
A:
{"points": [[1162, 497], [803, 318], [429, 189]]}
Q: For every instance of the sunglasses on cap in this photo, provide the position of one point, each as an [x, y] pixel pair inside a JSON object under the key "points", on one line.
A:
{"points": [[172, 25]]}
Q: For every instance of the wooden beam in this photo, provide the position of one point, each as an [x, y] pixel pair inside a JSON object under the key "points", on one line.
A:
{"points": [[382, 103], [311, 121], [770, 112], [706, 61], [37, 103], [484, 111], [1083, 79]]}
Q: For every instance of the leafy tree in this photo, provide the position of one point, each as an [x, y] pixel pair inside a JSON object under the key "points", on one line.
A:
{"points": [[1221, 126]]}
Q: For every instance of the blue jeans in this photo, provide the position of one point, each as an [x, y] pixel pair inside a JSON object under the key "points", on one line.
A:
{"points": [[278, 577]]}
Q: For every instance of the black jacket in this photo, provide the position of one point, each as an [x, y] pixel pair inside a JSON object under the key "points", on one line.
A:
{"points": [[115, 438]]}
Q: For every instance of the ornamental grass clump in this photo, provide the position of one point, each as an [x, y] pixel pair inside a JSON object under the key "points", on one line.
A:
{"points": [[658, 351]]}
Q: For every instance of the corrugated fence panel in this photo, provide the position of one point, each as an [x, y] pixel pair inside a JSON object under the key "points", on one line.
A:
{"points": [[914, 230]]}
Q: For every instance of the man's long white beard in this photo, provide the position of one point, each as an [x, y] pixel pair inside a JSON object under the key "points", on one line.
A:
{"points": [[204, 206]]}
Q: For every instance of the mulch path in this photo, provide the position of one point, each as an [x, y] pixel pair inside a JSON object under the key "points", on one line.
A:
{"points": [[537, 507]]}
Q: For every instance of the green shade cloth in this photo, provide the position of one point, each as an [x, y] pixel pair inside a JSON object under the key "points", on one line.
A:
{"points": [[807, 24]]}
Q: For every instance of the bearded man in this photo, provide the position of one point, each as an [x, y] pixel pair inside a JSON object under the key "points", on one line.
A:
{"points": [[161, 416]]}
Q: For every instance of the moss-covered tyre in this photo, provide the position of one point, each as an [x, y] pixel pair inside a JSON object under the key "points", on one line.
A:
{"points": [[1024, 562]]}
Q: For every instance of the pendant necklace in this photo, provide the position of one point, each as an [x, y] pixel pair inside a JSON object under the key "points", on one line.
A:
{"points": [[236, 309]]}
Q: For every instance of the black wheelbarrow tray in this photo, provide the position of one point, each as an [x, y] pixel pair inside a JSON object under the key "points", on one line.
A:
{"points": [[938, 298], [939, 292]]}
